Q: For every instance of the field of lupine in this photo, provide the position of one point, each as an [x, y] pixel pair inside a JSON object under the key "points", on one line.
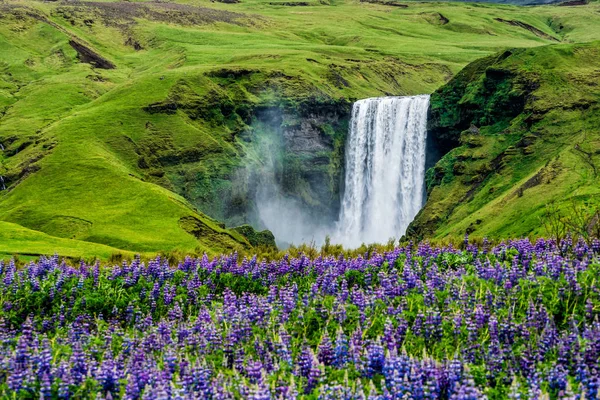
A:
{"points": [[517, 320]]}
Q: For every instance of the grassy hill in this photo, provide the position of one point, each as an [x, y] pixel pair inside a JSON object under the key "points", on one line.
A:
{"points": [[122, 122], [525, 126]]}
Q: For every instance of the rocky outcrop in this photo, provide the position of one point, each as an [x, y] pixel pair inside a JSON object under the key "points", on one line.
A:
{"points": [[264, 239], [459, 104], [202, 231], [308, 134], [520, 24]]}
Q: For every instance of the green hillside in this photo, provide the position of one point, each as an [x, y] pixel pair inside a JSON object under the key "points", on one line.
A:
{"points": [[526, 123], [124, 123]]}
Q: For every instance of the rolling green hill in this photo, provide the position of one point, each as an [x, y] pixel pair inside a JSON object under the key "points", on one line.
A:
{"points": [[524, 131], [124, 124]]}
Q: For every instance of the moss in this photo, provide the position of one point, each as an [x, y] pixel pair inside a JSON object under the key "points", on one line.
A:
{"points": [[482, 94], [264, 239], [206, 233], [503, 166]]}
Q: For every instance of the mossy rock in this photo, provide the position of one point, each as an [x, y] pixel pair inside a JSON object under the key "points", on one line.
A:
{"points": [[256, 238]]}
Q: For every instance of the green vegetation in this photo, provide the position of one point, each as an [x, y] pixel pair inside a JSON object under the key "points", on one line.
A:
{"points": [[526, 125], [123, 158], [25, 242]]}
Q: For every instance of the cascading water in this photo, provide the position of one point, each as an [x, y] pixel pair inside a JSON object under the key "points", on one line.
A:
{"points": [[385, 169]]}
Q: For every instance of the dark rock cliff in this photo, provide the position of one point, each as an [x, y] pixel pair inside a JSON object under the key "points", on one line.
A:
{"points": [[309, 166]]}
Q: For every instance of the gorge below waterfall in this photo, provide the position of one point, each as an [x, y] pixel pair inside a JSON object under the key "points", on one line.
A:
{"points": [[383, 183]]}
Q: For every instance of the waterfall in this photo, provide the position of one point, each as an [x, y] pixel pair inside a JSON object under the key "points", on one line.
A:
{"points": [[385, 169]]}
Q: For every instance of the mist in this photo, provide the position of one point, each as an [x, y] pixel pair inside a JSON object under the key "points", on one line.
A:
{"points": [[288, 219], [278, 198]]}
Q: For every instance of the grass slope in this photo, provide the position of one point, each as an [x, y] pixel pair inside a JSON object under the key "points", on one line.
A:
{"points": [[14, 239], [527, 126], [113, 156]]}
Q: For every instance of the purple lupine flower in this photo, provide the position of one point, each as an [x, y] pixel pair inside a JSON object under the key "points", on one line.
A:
{"points": [[326, 352], [46, 387], [261, 392], [305, 361], [557, 378], [467, 391], [254, 370], [314, 376], [341, 350], [108, 375], [375, 359], [45, 360]]}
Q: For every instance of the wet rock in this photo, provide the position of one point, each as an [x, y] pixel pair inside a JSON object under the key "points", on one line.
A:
{"points": [[474, 130]]}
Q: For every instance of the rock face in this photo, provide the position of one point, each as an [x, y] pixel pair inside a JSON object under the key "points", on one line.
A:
{"points": [[463, 103], [284, 146], [312, 152], [295, 155], [307, 137], [292, 150]]}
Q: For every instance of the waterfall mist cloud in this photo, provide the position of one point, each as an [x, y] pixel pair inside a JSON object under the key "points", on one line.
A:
{"points": [[288, 219], [282, 211]]}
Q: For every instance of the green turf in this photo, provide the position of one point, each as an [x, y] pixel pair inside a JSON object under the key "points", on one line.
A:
{"points": [[83, 153], [499, 182], [16, 240]]}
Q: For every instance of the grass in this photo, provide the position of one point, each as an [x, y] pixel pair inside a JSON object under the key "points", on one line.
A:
{"points": [[25, 243], [75, 135], [547, 153]]}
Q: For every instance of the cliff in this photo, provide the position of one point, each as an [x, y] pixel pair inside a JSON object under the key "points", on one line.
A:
{"points": [[519, 131]]}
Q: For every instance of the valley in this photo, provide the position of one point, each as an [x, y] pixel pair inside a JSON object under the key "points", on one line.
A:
{"points": [[123, 122]]}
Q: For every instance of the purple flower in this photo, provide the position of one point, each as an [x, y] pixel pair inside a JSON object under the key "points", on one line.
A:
{"points": [[326, 353]]}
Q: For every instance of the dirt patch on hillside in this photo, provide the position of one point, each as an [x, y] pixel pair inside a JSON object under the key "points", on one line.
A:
{"points": [[231, 73], [122, 14], [574, 3], [385, 3], [88, 56], [290, 3], [435, 18], [532, 29], [84, 53]]}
